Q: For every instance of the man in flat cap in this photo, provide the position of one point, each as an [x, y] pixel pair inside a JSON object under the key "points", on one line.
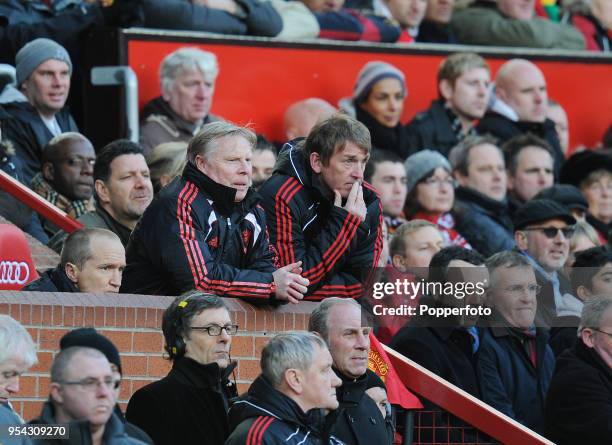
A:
{"points": [[542, 231], [43, 69]]}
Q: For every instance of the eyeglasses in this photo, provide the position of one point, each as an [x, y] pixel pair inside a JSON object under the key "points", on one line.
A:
{"points": [[90, 384], [603, 332], [551, 232], [519, 289], [9, 375], [215, 330], [439, 182]]}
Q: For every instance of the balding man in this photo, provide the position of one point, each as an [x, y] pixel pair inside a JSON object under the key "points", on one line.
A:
{"points": [[301, 116], [92, 260], [66, 179], [520, 106], [512, 23]]}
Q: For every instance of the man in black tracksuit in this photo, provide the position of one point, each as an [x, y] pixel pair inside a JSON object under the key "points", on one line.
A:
{"points": [[284, 405], [205, 231], [321, 212]]}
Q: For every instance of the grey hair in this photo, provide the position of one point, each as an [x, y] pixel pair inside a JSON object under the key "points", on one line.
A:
{"points": [[505, 258], [318, 317], [592, 311], [205, 143], [16, 340], [460, 153], [289, 350], [62, 360], [187, 59]]}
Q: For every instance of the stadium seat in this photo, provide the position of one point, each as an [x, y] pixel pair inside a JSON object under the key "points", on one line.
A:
{"points": [[16, 265]]}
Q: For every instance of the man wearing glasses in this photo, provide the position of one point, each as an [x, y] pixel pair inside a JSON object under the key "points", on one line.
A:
{"points": [[190, 404], [82, 396], [515, 361], [543, 229], [579, 403]]}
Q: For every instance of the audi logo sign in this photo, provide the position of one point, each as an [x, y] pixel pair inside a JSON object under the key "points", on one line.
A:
{"points": [[14, 272]]}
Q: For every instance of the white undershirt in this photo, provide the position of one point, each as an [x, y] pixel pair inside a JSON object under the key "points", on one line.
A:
{"points": [[52, 125]]}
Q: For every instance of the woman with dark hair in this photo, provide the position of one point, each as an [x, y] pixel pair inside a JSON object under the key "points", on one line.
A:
{"points": [[378, 103], [431, 194]]}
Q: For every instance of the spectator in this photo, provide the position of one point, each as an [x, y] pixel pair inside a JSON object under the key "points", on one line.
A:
{"points": [[431, 193], [377, 391], [530, 167], [435, 27], [340, 323], [90, 338], [585, 237], [282, 404], [92, 260], [515, 361], [250, 17], [543, 230], [594, 20], [17, 355], [592, 173], [317, 204], [264, 159], [557, 114], [190, 404], [385, 171], [187, 78], [520, 106], [413, 246], [302, 115], [66, 179], [378, 102], [81, 395], [569, 196], [463, 95], [336, 22], [185, 238], [408, 14], [579, 402], [43, 70], [591, 276], [166, 162], [512, 23], [447, 347], [481, 208], [123, 191]]}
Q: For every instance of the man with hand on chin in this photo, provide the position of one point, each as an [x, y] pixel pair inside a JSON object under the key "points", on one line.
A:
{"points": [[321, 212]]}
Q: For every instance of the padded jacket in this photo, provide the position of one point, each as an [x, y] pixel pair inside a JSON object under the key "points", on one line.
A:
{"points": [[337, 250]]}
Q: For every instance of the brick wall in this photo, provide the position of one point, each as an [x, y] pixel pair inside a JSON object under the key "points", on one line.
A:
{"points": [[133, 323]]}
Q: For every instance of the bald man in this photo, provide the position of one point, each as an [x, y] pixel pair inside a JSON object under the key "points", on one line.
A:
{"points": [[301, 116], [66, 179], [521, 106]]}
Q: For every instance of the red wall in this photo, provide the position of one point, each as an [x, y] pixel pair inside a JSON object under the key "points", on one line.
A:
{"points": [[256, 83]]}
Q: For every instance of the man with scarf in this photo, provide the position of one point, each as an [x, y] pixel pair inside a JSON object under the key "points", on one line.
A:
{"points": [[515, 361]]}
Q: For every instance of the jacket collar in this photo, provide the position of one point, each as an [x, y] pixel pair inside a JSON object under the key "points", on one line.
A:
{"points": [[120, 230], [222, 196], [474, 196], [591, 356], [351, 391], [190, 372], [160, 106], [60, 279]]}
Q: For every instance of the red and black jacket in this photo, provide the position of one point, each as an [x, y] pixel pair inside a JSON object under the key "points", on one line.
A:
{"points": [[337, 250], [194, 236]]}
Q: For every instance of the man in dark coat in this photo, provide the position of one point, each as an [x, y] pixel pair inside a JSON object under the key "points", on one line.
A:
{"points": [[481, 207], [285, 403], [205, 230], [515, 361], [579, 403], [463, 89], [358, 421], [92, 260], [190, 404], [447, 346], [321, 212]]}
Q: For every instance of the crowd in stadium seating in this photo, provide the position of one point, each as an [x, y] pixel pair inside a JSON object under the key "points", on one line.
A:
{"points": [[478, 188]]}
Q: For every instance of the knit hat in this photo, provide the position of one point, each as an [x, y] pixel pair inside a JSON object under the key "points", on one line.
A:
{"points": [[580, 165], [540, 210], [421, 163], [374, 381], [90, 338], [371, 73], [36, 52], [565, 194]]}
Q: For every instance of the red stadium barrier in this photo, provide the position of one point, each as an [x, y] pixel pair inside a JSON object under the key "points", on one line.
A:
{"points": [[38, 203], [461, 404]]}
